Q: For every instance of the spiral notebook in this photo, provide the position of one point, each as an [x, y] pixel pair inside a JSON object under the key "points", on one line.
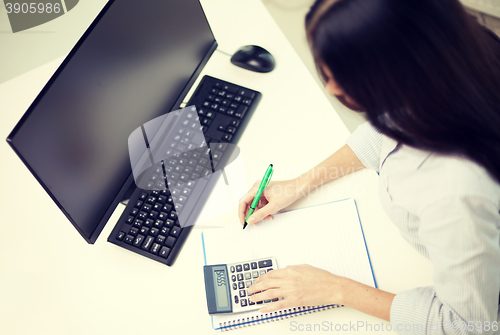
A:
{"points": [[327, 236]]}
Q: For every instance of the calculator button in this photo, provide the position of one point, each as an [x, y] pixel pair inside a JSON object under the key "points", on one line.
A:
{"points": [[275, 299], [271, 269], [238, 268], [267, 301], [246, 267], [254, 265], [262, 272], [233, 278], [240, 276], [164, 251], [242, 293], [236, 300], [250, 302], [255, 274], [248, 275], [243, 302], [265, 263], [248, 283], [241, 285], [254, 282], [232, 269], [235, 287]]}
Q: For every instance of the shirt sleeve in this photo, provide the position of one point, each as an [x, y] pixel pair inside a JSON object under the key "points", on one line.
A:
{"points": [[461, 235], [366, 142]]}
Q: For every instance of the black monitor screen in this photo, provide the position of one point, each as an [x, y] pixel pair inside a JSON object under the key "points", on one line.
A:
{"points": [[135, 62]]}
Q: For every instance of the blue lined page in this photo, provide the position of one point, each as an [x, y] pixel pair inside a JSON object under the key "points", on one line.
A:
{"points": [[327, 236]]}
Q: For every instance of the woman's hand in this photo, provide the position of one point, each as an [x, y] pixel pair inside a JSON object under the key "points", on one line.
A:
{"points": [[276, 196], [300, 285]]}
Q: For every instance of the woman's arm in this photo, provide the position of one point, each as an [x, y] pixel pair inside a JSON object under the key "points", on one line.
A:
{"points": [[281, 194], [305, 285]]}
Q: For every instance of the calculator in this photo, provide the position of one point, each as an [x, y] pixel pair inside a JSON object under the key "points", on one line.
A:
{"points": [[226, 285]]}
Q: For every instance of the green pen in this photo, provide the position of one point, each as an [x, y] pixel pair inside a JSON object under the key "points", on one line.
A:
{"points": [[263, 184]]}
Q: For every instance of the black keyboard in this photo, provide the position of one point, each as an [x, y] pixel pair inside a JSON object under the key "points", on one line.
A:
{"points": [[150, 223]]}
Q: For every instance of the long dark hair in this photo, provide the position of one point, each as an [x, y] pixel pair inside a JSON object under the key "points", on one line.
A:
{"points": [[425, 72]]}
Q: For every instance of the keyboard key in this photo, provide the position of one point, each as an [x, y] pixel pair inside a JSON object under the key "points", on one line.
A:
{"points": [[155, 248], [144, 231], [143, 196], [138, 240], [169, 224], [129, 220], [120, 236], [240, 113], [129, 239], [246, 94], [160, 239], [148, 242], [138, 223], [175, 232], [164, 251], [158, 224], [149, 223], [133, 231], [165, 231], [170, 241], [227, 137], [143, 215], [231, 130], [153, 231]]}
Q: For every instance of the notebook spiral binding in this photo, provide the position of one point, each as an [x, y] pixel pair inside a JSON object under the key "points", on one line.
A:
{"points": [[273, 316]]}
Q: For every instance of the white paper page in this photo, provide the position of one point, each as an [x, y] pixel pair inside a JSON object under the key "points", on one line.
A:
{"points": [[327, 236]]}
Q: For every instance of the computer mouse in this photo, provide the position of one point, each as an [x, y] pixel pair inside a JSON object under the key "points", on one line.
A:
{"points": [[254, 58]]}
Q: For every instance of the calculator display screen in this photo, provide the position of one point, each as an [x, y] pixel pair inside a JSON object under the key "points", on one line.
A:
{"points": [[221, 288]]}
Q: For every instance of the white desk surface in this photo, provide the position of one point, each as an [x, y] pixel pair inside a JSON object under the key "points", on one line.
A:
{"points": [[53, 282]]}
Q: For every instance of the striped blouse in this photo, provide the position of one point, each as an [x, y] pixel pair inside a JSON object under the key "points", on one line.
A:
{"points": [[447, 208]]}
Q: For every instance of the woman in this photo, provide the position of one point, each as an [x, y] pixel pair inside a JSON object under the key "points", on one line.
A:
{"points": [[428, 77]]}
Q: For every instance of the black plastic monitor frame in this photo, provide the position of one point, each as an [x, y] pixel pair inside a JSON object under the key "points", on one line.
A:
{"points": [[129, 182]]}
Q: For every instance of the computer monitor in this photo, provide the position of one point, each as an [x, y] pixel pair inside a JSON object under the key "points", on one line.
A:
{"points": [[135, 62]]}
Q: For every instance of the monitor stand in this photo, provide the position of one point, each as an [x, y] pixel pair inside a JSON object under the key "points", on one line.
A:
{"points": [[128, 194]]}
